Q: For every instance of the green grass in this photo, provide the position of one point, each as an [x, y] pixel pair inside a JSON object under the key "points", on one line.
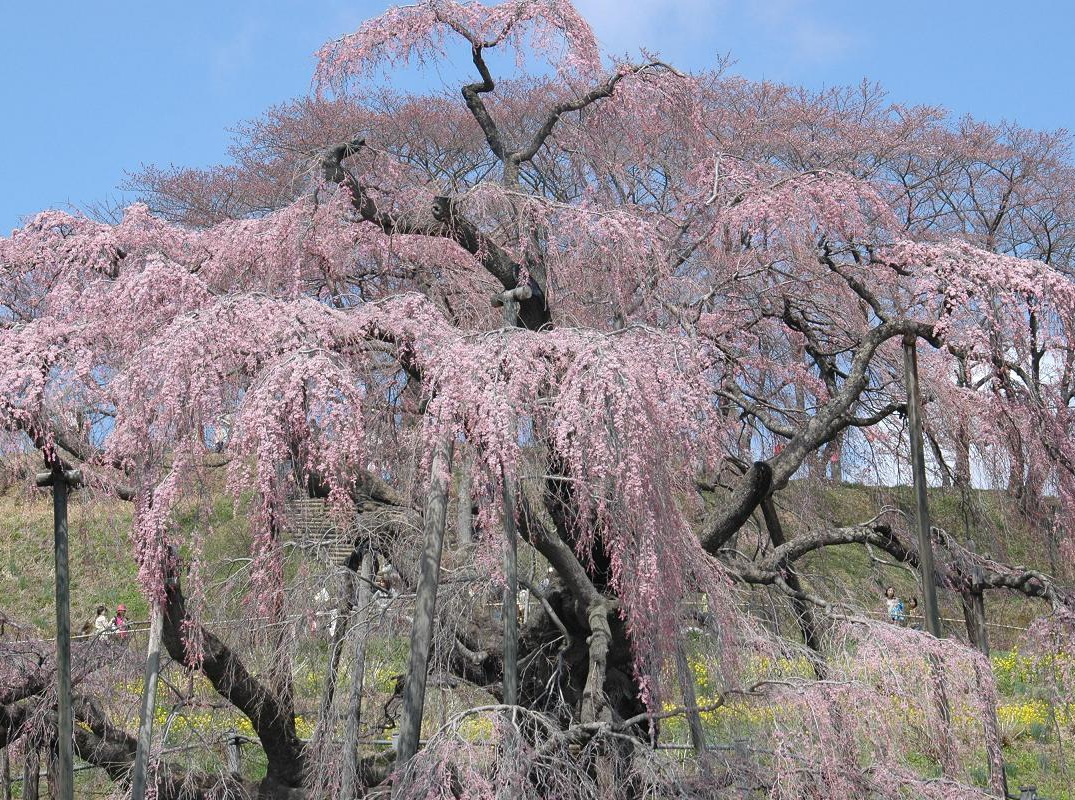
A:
{"points": [[1037, 748]]}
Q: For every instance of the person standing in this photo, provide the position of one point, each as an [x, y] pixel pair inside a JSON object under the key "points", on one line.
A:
{"points": [[102, 626], [120, 624], [896, 612], [913, 615]]}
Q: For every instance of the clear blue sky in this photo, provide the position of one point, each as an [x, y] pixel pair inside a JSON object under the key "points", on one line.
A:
{"points": [[92, 89]]}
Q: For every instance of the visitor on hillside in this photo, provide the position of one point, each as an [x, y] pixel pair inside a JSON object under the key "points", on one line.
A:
{"points": [[102, 625], [120, 624], [897, 614], [912, 614], [384, 586], [546, 582], [220, 433], [522, 602]]}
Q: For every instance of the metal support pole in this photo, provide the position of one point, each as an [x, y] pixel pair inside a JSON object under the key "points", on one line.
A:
{"points": [[149, 705], [918, 471], [60, 479]]}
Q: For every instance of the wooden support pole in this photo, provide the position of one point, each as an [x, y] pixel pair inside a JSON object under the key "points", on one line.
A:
{"points": [[511, 594], [149, 705], [5, 774], [425, 601], [60, 480], [464, 515], [925, 541], [235, 755], [360, 631], [918, 471], [974, 609], [804, 614], [31, 775], [511, 575], [690, 699]]}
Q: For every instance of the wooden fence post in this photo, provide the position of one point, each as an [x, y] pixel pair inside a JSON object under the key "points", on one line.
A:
{"points": [[974, 609], [61, 480]]}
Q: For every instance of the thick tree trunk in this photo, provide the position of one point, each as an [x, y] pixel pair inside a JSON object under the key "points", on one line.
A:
{"points": [[727, 518]]}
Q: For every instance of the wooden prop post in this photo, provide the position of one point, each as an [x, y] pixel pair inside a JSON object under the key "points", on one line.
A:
{"points": [[918, 471], [425, 602], [511, 594], [61, 480], [149, 705]]}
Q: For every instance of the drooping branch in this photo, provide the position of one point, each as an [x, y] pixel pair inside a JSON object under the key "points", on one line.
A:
{"points": [[723, 522], [98, 741], [271, 716], [822, 427], [954, 572]]}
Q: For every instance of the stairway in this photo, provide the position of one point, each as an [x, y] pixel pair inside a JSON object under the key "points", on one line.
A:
{"points": [[314, 532]]}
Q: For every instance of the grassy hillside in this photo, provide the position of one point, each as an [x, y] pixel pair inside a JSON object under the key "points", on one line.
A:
{"points": [[1036, 722], [100, 558]]}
